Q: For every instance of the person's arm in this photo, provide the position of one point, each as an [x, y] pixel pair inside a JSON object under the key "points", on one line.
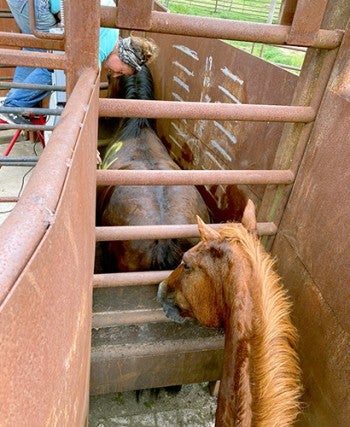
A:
{"points": [[55, 7]]}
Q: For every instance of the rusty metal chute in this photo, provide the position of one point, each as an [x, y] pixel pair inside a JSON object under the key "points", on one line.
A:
{"points": [[47, 243]]}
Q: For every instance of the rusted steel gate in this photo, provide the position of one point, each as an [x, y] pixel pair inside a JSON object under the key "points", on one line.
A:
{"points": [[47, 244], [291, 180]]}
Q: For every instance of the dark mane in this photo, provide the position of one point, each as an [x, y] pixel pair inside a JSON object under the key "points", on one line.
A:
{"points": [[137, 86]]}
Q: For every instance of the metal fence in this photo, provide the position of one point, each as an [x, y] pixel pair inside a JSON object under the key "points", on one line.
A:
{"points": [[249, 10], [264, 11]]}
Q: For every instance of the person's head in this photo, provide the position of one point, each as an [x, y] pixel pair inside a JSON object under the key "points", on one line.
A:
{"points": [[129, 55]]}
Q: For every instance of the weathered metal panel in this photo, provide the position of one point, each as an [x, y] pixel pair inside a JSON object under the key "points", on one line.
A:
{"points": [[45, 315], [189, 70], [313, 248]]}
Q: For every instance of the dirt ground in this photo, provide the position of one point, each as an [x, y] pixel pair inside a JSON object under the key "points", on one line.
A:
{"points": [[193, 406]]}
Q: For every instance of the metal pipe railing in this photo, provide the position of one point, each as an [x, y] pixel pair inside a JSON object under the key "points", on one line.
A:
{"points": [[28, 86], [204, 111], [130, 279], [193, 177], [26, 58], [18, 161], [144, 232], [30, 110], [219, 28], [28, 40]]}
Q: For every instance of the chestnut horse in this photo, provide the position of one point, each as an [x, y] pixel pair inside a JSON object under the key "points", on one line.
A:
{"points": [[137, 146], [228, 280]]}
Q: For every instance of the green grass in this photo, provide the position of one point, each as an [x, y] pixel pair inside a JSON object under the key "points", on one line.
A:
{"points": [[277, 55], [207, 8]]}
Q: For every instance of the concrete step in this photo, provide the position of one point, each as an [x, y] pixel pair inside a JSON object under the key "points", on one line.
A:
{"points": [[134, 346]]}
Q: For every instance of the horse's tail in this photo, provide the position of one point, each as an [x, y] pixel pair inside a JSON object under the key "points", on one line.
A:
{"points": [[132, 127], [167, 254]]}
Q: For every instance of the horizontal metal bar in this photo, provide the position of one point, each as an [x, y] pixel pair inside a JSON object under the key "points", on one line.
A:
{"points": [[32, 86], [27, 58], [25, 127], [235, 30], [205, 111], [28, 40], [18, 161], [55, 88], [18, 164], [219, 28], [144, 232], [193, 177], [107, 319], [129, 279], [35, 111]]}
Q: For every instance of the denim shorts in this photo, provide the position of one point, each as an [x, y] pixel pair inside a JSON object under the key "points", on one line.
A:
{"points": [[44, 18]]}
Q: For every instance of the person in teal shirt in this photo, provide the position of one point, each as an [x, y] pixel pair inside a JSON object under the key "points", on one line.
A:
{"points": [[120, 56]]}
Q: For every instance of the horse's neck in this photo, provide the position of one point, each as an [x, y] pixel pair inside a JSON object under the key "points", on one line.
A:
{"points": [[235, 395], [261, 378]]}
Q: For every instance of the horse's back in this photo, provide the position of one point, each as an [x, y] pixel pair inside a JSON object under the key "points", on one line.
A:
{"points": [[137, 147]]}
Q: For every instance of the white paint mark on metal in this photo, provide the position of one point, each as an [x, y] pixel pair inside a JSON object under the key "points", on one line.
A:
{"points": [[181, 83], [208, 63], [177, 96], [213, 159], [229, 135], [218, 147], [183, 68], [229, 94], [179, 131], [187, 51], [232, 76], [199, 128], [176, 142]]}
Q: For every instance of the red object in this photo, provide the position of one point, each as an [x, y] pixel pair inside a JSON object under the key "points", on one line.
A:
{"points": [[38, 134]]}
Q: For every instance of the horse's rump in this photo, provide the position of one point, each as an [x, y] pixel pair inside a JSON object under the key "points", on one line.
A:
{"points": [[150, 205]]}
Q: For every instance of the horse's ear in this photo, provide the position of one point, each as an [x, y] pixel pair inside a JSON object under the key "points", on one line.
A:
{"points": [[206, 232], [249, 218]]}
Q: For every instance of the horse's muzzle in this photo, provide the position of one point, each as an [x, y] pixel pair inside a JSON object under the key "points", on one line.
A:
{"points": [[170, 308]]}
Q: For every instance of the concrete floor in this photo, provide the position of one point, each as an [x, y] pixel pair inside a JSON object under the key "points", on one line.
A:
{"points": [[193, 406], [14, 178]]}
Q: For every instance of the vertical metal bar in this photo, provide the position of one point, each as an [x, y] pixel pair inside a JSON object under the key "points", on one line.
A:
{"points": [[310, 89], [307, 21], [84, 54], [134, 13], [287, 12]]}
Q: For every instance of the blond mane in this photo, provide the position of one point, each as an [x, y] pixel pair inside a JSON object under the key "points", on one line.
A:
{"points": [[274, 368]]}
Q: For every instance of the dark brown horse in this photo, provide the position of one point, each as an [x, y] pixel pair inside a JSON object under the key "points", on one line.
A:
{"points": [[137, 146], [228, 280]]}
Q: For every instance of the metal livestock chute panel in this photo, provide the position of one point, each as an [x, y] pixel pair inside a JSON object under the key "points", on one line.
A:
{"points": [[241, 128], [212, 71]]}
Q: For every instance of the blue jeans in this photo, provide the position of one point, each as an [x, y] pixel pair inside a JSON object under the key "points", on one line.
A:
{"points": [[44, 21]]}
